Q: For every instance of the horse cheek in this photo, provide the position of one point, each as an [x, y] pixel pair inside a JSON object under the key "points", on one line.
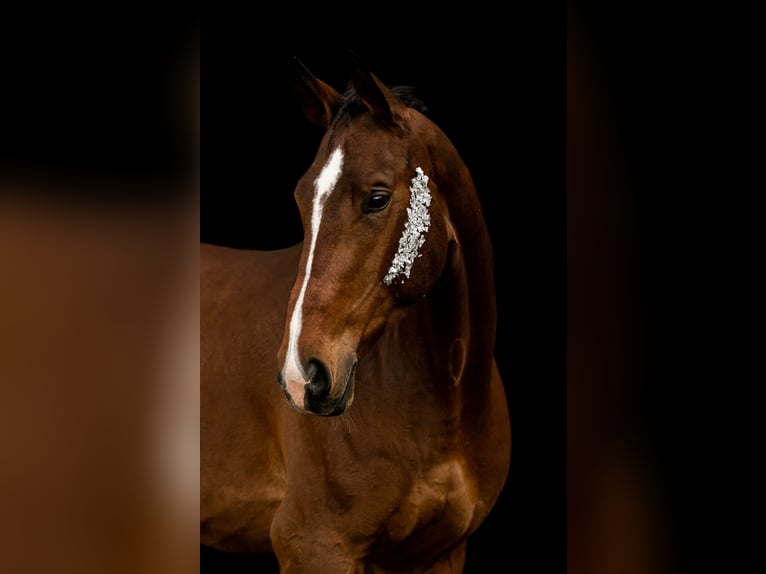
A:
{"points": [[429, 265]]}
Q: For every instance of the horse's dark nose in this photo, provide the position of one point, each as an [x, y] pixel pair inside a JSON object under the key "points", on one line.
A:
{"points": [[318, 388]]}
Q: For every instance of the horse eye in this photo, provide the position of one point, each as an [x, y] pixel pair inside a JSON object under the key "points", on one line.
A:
{"points": [[377, 201]]}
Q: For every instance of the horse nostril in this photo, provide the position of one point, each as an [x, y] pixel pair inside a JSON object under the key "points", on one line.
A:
{"points": [[319, 385]]}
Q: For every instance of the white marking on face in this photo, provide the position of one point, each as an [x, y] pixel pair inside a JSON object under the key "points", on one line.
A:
{"points": [[295, 376], [418, 222]]}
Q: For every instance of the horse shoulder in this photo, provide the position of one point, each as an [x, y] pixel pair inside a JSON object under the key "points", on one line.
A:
{"points": [[243, 303], [445, 490], [456, 493]]}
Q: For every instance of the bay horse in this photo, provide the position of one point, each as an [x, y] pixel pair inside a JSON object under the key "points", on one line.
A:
{"points": [[353, 418]]}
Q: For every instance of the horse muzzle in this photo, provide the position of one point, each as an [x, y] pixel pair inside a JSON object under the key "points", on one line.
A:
{"points": [[317, 392]]}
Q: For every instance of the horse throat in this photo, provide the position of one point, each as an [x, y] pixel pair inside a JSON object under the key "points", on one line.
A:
{"points": [[437, 329]]}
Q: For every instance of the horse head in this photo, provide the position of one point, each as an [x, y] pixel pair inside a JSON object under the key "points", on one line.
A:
{"points": [[377, 233]]}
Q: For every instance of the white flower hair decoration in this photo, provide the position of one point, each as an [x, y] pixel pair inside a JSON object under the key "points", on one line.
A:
{"points": [[417, 224]]}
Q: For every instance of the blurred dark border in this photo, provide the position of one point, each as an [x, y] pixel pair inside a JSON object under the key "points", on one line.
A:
{"points": [[664, 234], [101, 102], [99, 163]]}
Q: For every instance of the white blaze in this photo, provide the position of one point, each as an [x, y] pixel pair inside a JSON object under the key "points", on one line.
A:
{"points": [[295, 378]]}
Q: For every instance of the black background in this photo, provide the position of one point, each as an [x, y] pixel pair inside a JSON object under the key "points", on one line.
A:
{"points": [[504, 109]]}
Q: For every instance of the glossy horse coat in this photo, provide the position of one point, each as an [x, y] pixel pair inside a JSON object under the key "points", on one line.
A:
{"points": [[353, 418]]}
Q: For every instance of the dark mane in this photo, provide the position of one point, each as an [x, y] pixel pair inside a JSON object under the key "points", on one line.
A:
{"points": [[352, 106]]}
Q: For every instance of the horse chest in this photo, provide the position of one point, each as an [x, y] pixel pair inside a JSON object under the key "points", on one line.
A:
{"points": [[393, 525]]}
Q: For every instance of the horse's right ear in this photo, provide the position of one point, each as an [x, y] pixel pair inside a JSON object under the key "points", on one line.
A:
{"points": [[382, 102], [318, 100]]}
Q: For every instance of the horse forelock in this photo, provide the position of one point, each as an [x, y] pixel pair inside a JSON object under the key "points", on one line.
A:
{"points": [[353, 106]]}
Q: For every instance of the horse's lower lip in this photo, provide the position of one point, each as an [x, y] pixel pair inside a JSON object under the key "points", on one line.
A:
{"points": [[345, 399], [348, 392]]}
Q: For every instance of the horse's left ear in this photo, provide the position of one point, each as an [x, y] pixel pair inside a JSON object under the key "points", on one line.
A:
{"points": [[318, 100], [382, 102]]}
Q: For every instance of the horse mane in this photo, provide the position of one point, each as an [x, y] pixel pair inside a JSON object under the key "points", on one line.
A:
{"points": [[353, 106]]}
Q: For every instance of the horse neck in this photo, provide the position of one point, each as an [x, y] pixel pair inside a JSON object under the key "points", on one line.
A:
{"points": [[471, 267]]}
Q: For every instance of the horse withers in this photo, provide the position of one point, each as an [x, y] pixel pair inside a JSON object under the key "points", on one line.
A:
{"points": [[353, 418]]}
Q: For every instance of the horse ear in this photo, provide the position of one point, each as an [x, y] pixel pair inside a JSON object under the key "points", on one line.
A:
{"points": [[318, 100], [382, 102]]}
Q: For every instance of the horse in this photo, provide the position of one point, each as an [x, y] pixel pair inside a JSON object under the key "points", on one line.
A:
{"points": [[353, 418]]}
